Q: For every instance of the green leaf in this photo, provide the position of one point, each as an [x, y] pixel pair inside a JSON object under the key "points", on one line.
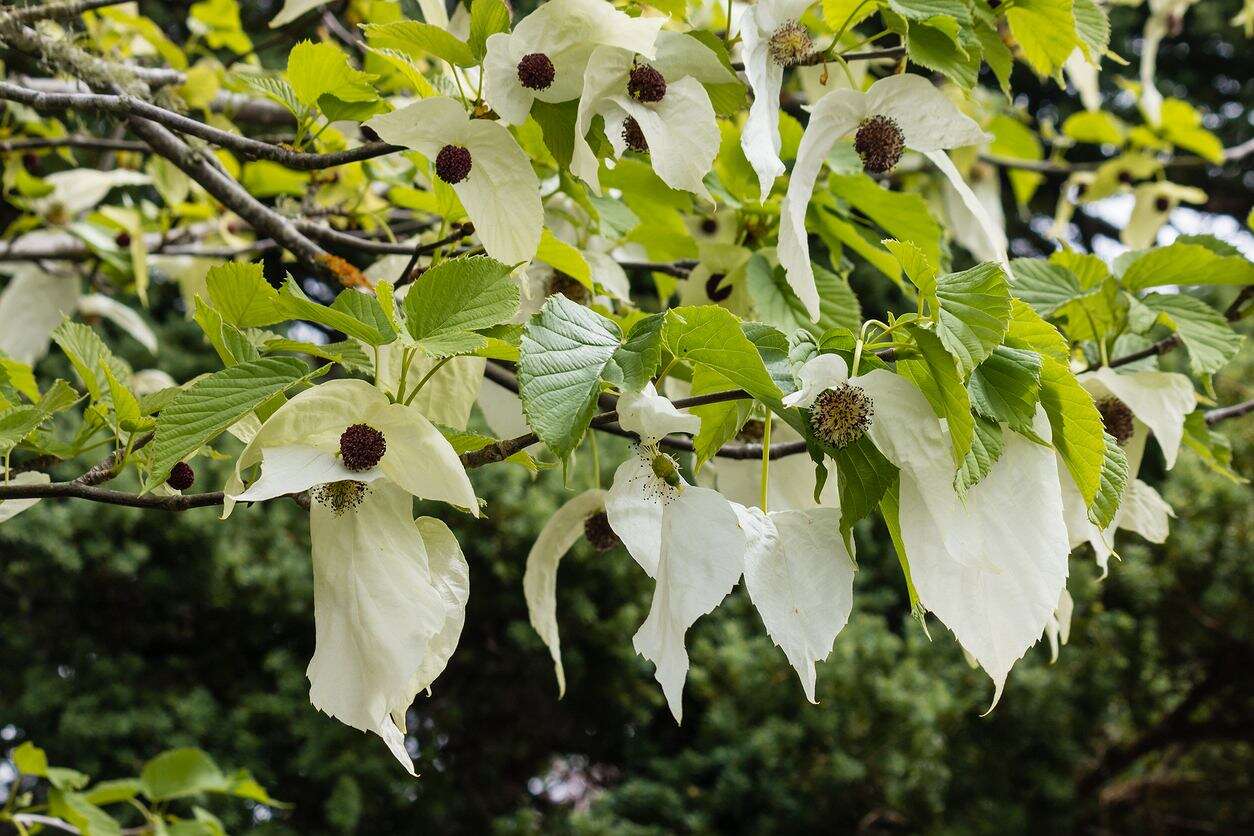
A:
{"points": [[890, 509], [420, 40], [1044, 286], [360, 318], [179, 773], [316, 70], [986, 449], [776, 304], [457, 298], [204, 410], [565, 347], [125, 404], [557, 123], [903, 215], [563, 257], [926, 9], [20, 421], [231, 344], [919, 269], [1186, 264], [1092, 25], [863, 476], [1095, 126], [1206, 335], [940, 45], [711, 336], [86, 351], [1014, 140], [973, 314], [464, 441], [637, 359], [1028, 331], [1078, 434], [719, 421], [113, 792], [1046, 32], [1214, 449], [934, 371], [1114, 479], [1007, 386], [30, 760], [487, 17], [241, 294]]}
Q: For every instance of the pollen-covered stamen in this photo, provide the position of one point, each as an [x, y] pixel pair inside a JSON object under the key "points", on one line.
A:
{"points": [[362, 447], [789, 44], [646, 84], [1116, 418], [880, 143], [452, 164], [842, 415], [181, 476], [633, 136], [341, 496], [535, 71], [598, 532]]}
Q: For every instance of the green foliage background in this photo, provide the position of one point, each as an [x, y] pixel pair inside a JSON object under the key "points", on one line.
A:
{"points": [[126, 633]]}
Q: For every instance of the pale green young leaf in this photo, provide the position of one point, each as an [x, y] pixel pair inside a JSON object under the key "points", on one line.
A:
{"points": [[1213, 448], [559, 255], [933, 369], [986, 449], [711, 336], [420, 40], [565, 347], [1046, 32], [719, 421], [776, 304], [1044, 286], [1078, 434], [1028, 331], [1186, 264], [637, 359], [229, 342], [179, 773], [487, 17], [919, 269], [240, 292], [316, 70], [342, 315], [85, 351], [1114, 478]]}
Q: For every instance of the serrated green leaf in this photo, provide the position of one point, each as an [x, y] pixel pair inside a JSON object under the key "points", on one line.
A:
{"points": [[903, 215], [719, 421], [241, 294], [1029, 332], [1078, 434], [637, 359], [487, 17], [1046, 32], [776, 304], [457, 298], [1214, 449], [85, 351], [920, 270], [565, 348], [316, 70], [228, 341], [973, 313], [711, 336], [1095, 126], [360, 318], [204, 410], [1114, 478], [1206, 335], [179, 773], [863, 476], [1186, 264], [1044, 286], [420, 40], [1006, 387], [933, 369], [1092, 25], [986, 448]]}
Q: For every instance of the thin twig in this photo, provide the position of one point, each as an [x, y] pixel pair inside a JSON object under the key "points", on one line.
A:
{"points": [[90, 143]]}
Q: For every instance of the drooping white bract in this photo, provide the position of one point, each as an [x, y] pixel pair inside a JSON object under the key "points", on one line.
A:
{"points": [[929, 123], [685, 537], [540, 579], [760, 138], [1058, 630], [680, 129], [991, 566], [80, 189], [500, 192], [565, 32], [1152, 205], [1159, 402], [800, 578], [10, 508], [966, 228], [389, 591]]}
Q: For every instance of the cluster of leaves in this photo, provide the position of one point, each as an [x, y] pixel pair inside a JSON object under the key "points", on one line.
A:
{"points": [[166, 785]]}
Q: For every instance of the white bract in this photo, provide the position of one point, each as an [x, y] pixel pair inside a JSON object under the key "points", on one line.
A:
{"points": [[966, 228], [991, 566], [80, 189], [927, 121], [10, 508], [800, 578], [389, 591], [1159, 403], [500, 191], [540, 579], [1152, 206], [765, 62], [565, 33], [685, 537], [680, 128]]}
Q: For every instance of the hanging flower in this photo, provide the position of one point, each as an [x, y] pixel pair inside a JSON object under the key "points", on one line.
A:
{"points": [[485, 166], [656, 106], [685, 537], [992, 565], [582, 516], [800, 579], [1153, 204], [389, 591], [773, 40], [895, 113], [1132, 405], [546, 55]]}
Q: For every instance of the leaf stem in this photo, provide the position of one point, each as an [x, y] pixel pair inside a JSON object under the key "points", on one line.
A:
{"points": [[438, 365]]}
